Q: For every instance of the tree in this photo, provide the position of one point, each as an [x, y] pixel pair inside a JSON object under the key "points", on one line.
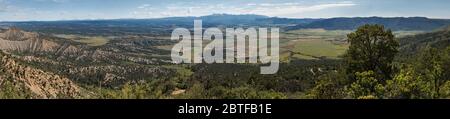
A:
{"points": [[432, 65], [372, 48], [429, 67], [366, 86], [197, 91], [407, 84], [328, 86], [424, 78], [251, 93], [10, 90]]}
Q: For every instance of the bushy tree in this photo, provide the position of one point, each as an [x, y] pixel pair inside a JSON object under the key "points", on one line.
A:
{"points": [[372, 48], [328, 86], [366, 86], [9, 90], [425, 77], [251, 93], [445, 90], [197, 91], [407, 84]]}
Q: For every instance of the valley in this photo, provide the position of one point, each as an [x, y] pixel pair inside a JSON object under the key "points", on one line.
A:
{"points": [[129, 59]]}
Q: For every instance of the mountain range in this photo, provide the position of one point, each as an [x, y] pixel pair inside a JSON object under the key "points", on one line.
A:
{"points": [[394, 23]]}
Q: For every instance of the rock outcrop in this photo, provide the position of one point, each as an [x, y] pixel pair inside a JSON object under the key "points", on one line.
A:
{"points": [[14, 39], [41, 84]]}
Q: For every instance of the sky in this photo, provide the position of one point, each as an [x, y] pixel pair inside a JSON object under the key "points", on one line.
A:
{"points": [[49, 10]]}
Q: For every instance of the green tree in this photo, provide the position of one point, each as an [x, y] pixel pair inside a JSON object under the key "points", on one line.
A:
{"points": [[429, 67], [445, 90], [372, 48], [366, 86], [197, 91], [407, 84], [251, 93], [424, 77], [432, 66], [329, 86], [9, 90]]}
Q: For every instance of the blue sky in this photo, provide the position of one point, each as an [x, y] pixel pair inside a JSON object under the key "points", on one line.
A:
{"points": [[26, 10]]}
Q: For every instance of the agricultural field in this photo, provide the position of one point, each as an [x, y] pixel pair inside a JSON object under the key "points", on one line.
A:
{"points": [[88, 40], [313, 44], [93, 41]]}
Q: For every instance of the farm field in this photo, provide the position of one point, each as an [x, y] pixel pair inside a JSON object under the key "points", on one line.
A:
{"points": [[313, 44], [88, 40]]}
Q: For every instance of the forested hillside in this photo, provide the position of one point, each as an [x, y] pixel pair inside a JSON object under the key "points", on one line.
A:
{"points": [[396, 23], [412, 44]]}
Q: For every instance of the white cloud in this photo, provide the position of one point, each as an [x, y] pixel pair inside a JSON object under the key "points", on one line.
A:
{"points": [[251, 4], [56, 1], [3, 6], [7, 8], [143, 11], [292, 9], [144, 6]]}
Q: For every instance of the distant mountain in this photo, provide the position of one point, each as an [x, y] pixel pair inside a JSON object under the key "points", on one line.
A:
{"points": [[287, 21], [215, 19], [165, 25], [158, 25], [209, 20], [395, 23], [228, 19]]}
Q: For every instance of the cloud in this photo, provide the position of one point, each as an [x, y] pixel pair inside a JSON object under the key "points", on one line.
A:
{"points": [[55, 1], [6, 7], [3, 6], [149, 10], [143, 11], [291, 9], [144, 6]]}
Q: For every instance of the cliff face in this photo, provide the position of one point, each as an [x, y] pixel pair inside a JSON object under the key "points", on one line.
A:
{"points": [[41, 85]]}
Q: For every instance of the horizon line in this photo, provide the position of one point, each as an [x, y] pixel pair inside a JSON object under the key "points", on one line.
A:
{"points": [[100, 19]]}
